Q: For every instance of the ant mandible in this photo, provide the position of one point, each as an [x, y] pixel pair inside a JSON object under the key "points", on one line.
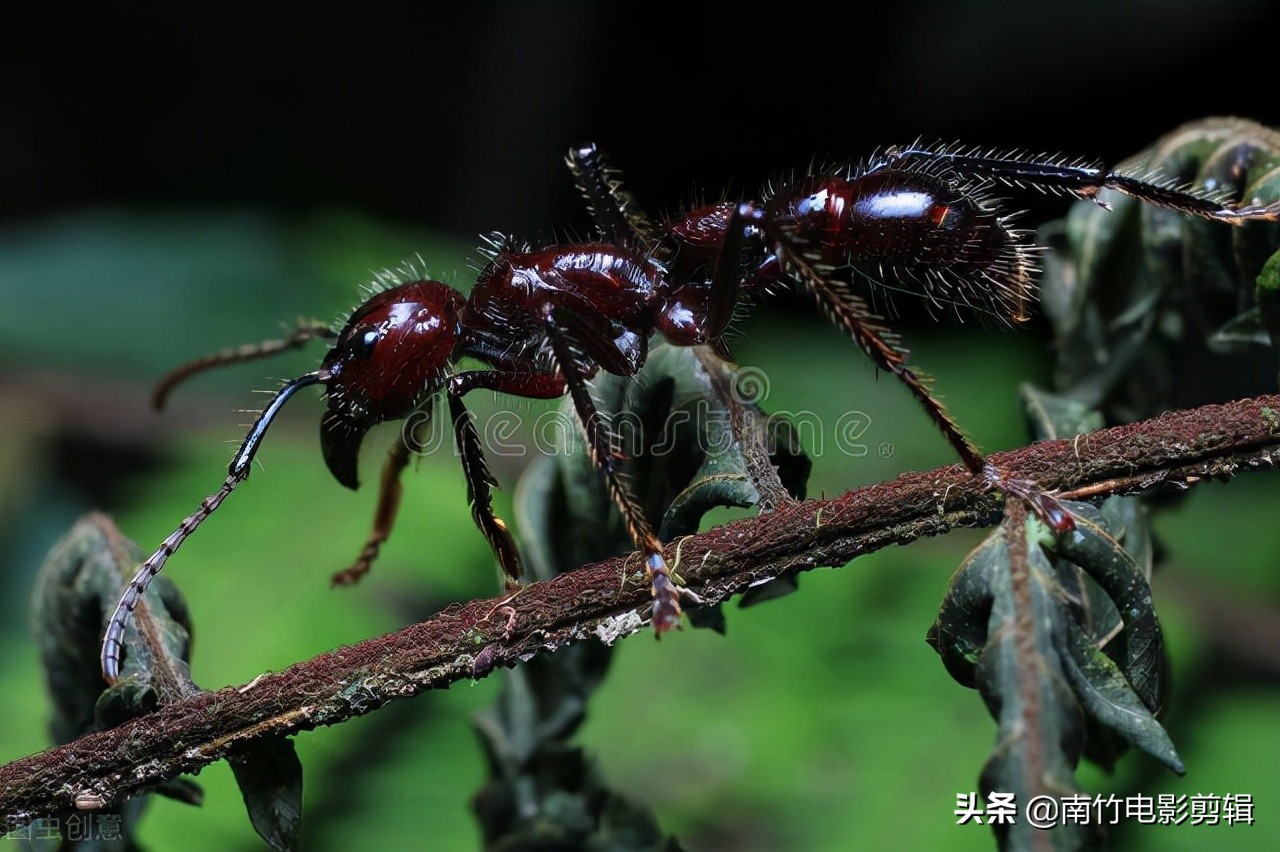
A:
{"points": [[545, 321]]}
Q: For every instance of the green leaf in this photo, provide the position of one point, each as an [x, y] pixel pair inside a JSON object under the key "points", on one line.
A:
{"points": [[1056, 416], [269, 775], [1268, 295], [1269, 275], [1139, 295], [683, 460], [75, 593], [1073, 664], [1243, 329], [1066, 651], [1108, 698]]}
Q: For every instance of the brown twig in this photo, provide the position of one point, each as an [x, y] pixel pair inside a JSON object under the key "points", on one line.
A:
{"points": [[471, 639]]}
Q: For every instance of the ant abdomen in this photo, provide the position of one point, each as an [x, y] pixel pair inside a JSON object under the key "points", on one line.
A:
{"points": [[889, 215], [913, 231]]}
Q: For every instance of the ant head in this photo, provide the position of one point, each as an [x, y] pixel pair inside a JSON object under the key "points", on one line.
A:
{"points": [[393, 353]]}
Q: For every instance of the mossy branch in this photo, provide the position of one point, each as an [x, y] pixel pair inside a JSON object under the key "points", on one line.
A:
{"points": [[602, 600]]}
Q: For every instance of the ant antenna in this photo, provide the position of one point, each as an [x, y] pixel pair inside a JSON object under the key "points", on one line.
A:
{"points": [[237, 472], [306, 330]]}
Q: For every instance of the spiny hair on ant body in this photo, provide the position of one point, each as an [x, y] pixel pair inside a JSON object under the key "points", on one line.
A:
{"points": [[543, 321]]}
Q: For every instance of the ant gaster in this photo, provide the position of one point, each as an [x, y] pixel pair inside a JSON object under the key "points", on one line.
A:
{"points": [[545, 321]]}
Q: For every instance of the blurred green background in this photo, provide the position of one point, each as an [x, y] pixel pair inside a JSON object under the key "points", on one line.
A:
{"points": [[178, 180]]}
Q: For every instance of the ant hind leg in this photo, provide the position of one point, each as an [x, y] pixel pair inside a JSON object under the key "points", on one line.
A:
{"points": [[851, 313], [1086, 180]]}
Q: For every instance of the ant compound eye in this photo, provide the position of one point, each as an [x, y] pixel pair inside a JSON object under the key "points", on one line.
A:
{"points": [[364, 348]]}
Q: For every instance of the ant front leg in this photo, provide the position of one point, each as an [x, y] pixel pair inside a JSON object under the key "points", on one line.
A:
{"points": [[726, 281], [480, 481], [851, 313], [306, 331], [666, 599], [390, 490]]}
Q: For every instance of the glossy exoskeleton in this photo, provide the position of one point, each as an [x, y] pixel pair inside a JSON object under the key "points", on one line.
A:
{"points": [[545, 320]]}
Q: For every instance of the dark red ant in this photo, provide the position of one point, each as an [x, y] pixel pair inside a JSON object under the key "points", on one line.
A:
{"points": [[545, 321]]}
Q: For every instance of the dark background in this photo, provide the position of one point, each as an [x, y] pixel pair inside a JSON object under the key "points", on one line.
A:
{"points": [[457, 116]]}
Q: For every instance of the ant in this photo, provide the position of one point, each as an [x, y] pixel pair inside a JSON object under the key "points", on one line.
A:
{"points": [[545, 321]]}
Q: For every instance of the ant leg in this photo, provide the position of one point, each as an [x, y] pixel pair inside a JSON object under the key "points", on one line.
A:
{"points": [[727, 278], [1086, 180], [307, 330], [411, 438], [666, 605], [480, 481], [622, 356], [613, 210], [479, 484], [389, 493], [851, 313]]}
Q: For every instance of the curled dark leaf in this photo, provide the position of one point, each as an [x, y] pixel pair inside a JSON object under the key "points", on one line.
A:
{"points": [[772, 590], [708, 617], [1139, 645], [960, 631], [1137, 293], [1110, 701], [181, 790], [75, 592], [1061, 639], [269, 775]]}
